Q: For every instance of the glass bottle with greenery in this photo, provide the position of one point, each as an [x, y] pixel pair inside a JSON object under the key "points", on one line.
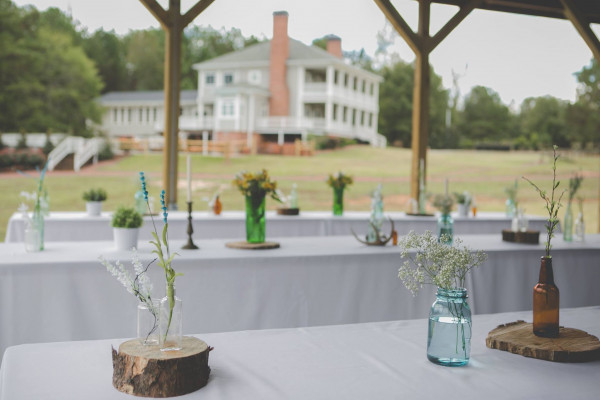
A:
{"points": [[546, 298], [574, 184]]}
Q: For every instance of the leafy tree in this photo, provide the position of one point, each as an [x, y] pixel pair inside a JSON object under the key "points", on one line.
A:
{"points": [[584, 116], [544, 119], [47, 81], [107, 50], [395, 105], [145, 54], [485, 118]]}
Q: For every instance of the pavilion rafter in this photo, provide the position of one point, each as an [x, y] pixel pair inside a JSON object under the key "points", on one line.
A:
{"points": [[582, 24]]}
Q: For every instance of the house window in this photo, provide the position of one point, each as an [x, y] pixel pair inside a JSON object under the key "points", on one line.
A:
{"points": [[353, 117], [148, 114], [346, 80], [129, 115], [344, 114], [122, 115], [228, 78], [227, 108], [363, 86], [354, 83], [115, 115], [362, 118], [336, 77], [210, 79], [370, 119], [335, 111], [141, 114], [254, 76], [154, 114], [372, 89]]}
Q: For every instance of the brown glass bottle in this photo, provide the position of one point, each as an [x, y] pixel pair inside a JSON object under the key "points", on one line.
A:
{"points": [[545, 302]]}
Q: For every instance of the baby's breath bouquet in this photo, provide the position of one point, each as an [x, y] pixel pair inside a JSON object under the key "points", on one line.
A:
{"points": [[443, 202], [429, 261]]}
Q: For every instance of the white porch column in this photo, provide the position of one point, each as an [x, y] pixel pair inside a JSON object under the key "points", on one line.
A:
{"points": [[300, 93], [329, 98], [280, 139], [204, 143], [251, 118]]}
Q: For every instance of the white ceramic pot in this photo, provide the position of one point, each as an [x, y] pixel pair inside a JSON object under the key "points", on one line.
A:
{"points": [[125, 238], [463, 210], [93, 208]]}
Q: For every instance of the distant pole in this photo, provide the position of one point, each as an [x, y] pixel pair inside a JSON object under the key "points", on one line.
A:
{"points": [[173, 24]]}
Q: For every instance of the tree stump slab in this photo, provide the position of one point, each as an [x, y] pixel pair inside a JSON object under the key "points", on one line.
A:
{"points": [[149, 372], [288, 211], [527, 237], [571, 345], [252, 246]]}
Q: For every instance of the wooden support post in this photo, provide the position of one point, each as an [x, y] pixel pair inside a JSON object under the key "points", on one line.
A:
{"points": [[422, 45], [173, 24]]}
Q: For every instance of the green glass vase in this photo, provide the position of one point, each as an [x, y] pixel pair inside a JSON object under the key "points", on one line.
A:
{"points": [[338, 201], [255, 218]]}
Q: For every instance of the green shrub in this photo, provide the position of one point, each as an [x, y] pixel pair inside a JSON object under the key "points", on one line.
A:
{"points": [[33, 160], [22, 143], [106, 153], [126, 217], [48, 146], [95, 195]]}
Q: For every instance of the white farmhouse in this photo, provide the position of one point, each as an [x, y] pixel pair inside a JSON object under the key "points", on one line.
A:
{"points": [[274, 93]]}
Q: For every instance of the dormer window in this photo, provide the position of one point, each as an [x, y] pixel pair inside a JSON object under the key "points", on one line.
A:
{"points": [[228, 78], [210, 79]]}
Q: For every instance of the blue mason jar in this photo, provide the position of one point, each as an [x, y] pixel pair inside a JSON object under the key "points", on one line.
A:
{"points": [[445, 226], [449, 334]]}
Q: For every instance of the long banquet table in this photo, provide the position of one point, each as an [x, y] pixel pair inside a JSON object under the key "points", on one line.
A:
{"points": [[78, 226], [379, 360], [64, 293]]}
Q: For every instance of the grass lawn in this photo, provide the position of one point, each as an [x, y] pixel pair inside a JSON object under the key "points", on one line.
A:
{"points": [[484, 174]]}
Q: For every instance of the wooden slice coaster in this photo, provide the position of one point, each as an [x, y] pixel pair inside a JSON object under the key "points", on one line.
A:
{"points": [[419, 215], [149, 372], [527, 237], [571, 345], [252, 246], [288, 211]]}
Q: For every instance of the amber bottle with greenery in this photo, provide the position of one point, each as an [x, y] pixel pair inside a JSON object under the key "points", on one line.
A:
{"points": [[546, 298]]}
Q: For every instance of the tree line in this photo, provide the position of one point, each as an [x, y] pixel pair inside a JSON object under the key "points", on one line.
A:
{"points": [[52, 71]]}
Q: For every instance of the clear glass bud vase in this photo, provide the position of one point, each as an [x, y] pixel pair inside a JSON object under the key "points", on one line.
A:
{"points": [[147, 323], [568, 224], [449, 335], [338, 201], [170, 321], [445, 226], [255, 218], [511, 208]]}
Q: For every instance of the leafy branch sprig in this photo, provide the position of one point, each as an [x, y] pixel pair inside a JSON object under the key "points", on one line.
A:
{"points": [[552, 205], [574, 184]]}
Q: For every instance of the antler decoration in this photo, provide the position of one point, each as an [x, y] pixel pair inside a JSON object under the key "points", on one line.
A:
{"points": [[379, 239]]}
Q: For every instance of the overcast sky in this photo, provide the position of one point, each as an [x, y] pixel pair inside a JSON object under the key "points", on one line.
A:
{"points": [[517, 56]]}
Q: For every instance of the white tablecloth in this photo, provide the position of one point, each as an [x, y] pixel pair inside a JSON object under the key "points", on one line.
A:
{"points": [[68, 226], [64, 293], [385, 360]]}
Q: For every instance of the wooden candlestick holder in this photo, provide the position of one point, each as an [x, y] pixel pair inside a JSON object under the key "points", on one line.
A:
{"points": [[190, 230]]}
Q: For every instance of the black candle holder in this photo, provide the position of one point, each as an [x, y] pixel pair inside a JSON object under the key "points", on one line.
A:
{"points": [[190, 244]]}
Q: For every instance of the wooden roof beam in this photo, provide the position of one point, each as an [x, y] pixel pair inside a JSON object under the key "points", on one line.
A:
{"points": [[400, 25], [193, 12], [452, 23], [583, 27], [156, 9]]}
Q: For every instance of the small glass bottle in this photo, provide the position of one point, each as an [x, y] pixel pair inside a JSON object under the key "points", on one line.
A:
{"points": [[170, 321], [445, 226], [338, 201], [568, 224], [579, 232], [147, 323], [546, 301]]}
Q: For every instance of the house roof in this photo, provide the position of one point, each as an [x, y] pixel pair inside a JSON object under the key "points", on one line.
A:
{"points": [[261, 53], [144, 96]]}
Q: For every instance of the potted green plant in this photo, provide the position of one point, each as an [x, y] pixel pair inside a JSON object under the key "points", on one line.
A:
{"points": [[126, 222], [463, 203], [93, 201]]}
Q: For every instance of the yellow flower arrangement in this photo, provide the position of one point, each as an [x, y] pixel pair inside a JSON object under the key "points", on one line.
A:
{"points": [[256, 184], [339, 180]]}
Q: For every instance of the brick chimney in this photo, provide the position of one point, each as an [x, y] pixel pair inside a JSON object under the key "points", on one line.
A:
{"points": [[279, 103], [334, 46]]}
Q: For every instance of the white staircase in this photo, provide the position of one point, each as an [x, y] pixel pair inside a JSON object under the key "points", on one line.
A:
{"points": [[83, 149]]}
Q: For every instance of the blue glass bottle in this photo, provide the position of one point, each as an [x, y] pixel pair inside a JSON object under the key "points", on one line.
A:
{"points": [[449, 334]]}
